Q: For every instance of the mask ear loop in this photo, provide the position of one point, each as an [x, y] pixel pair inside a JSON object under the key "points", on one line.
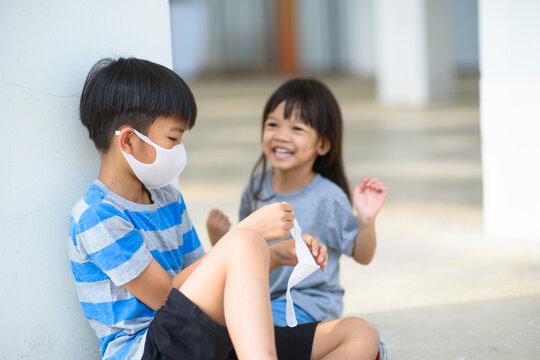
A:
{"points": [[147, 140], [142, 137]]}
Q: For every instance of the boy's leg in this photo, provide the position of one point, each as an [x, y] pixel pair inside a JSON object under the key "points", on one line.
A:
{"points": [[231, 286], [348, 338]]}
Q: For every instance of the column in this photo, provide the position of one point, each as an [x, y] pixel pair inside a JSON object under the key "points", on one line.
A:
{"points": [[510, 117], [415, 51]]}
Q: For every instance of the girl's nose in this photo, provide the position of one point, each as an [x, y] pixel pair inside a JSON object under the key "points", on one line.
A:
{"points": [[282, 134]]}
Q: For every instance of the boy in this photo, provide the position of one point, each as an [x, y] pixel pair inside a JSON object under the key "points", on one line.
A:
{"points": [[142, 278]]}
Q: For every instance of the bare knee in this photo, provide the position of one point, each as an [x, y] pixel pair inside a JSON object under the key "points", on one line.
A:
{"points": [[359, 330], [245, 244], [348, 338]]}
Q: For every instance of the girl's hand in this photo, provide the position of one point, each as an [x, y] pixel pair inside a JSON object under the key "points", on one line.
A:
{"points": [[369, 198], [217, 224], [318, 250], [284, 252], [272, 221]]}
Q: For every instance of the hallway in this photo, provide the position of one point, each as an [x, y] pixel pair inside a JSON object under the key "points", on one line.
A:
{"points": [[438, 287]]}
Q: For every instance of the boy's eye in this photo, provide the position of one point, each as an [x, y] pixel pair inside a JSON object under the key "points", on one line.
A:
{"points": [[173, 139]]}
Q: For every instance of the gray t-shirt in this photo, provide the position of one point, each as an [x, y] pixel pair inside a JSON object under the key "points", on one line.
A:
{"points": [[322, 210]]}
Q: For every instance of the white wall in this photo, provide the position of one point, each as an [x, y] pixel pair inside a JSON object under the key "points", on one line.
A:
{"points": [[46, 159], [510, 116]]}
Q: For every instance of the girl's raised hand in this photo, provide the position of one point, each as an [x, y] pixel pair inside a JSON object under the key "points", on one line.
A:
{"points": [[272, 221], [369, 198]]}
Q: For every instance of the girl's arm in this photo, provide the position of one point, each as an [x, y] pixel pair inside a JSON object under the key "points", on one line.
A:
{"points": [[368, 200]]}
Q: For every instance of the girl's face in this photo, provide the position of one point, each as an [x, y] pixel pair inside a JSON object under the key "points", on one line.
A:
{"points": [[290, 144]]}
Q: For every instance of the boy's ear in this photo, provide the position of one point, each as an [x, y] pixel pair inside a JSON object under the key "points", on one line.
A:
{"points": [[123, 139], [323, 146]]}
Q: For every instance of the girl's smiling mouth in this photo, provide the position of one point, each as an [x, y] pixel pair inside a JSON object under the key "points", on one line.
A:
{"points": [[282, 153]]}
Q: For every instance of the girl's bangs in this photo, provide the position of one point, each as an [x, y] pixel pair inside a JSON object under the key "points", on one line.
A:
{"points": [[304, 108]]}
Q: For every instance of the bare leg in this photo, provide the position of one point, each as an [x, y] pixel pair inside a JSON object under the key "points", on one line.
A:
{"points": [[231, 286], [349, 338]]}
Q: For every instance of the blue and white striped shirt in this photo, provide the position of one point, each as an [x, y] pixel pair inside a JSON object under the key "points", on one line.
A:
{"points": [[112, 240]]}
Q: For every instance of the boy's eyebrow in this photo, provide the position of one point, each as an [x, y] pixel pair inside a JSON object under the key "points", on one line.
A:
{"points": [[178, 128]]}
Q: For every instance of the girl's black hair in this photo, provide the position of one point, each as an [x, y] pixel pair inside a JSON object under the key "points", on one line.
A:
{"points": [[134, 92], [317, 108]]}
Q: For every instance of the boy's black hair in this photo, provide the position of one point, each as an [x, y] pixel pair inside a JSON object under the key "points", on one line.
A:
{"points": [[134, 92], [319, 109]]}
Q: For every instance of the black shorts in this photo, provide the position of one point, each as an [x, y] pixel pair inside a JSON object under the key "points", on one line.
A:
{"points": [[181, 330]]}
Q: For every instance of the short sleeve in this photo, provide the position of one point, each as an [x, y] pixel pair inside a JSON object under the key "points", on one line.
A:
{"points": [[343, 227], [110, 241], [193, 249], [245, 204]]}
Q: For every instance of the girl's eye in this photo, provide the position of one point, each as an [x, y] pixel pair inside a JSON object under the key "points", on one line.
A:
{"points": [[297, 128], [271, 124]]}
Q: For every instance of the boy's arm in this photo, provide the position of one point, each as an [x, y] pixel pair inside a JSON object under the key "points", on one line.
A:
{"points": [[154, 284], [368, 200]]}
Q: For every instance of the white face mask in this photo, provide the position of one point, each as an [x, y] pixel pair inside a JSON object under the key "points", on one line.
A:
{"points": [[169, 164]]}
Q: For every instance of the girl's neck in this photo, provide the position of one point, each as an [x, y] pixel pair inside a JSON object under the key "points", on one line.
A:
{"points": [[288, 182]]}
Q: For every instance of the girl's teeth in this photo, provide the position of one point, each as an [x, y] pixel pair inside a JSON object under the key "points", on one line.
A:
{"points": [[282, 151]]}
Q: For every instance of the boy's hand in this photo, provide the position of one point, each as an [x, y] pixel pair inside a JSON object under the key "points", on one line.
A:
{"points": [[217, 224], [284, 253], [272, 221], [369, 198]]}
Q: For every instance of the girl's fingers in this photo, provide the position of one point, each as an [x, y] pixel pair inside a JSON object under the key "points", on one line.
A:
{"points": [[312, 243], [372, 183], [318, 250], [314, 246]]}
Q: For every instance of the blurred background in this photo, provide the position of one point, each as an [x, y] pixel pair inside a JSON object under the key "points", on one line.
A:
{"points": [[407, 77], [439, 99], [419, 129]]}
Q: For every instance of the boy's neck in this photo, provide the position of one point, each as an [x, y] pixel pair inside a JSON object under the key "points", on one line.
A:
{"points": [[120, 180], [288, 182]]}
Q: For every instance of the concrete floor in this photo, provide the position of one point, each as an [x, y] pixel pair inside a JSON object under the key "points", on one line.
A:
{"points": [[438, 287]]}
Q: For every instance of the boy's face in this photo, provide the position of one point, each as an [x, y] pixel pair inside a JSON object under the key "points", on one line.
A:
{"points": [[164, 131]]}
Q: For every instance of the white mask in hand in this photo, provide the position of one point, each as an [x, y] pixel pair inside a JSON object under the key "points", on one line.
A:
{"points": [[305, 267], [168, 164]]}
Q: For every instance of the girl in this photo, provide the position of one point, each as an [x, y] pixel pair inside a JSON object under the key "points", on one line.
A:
{"points": [[301, 139]]}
